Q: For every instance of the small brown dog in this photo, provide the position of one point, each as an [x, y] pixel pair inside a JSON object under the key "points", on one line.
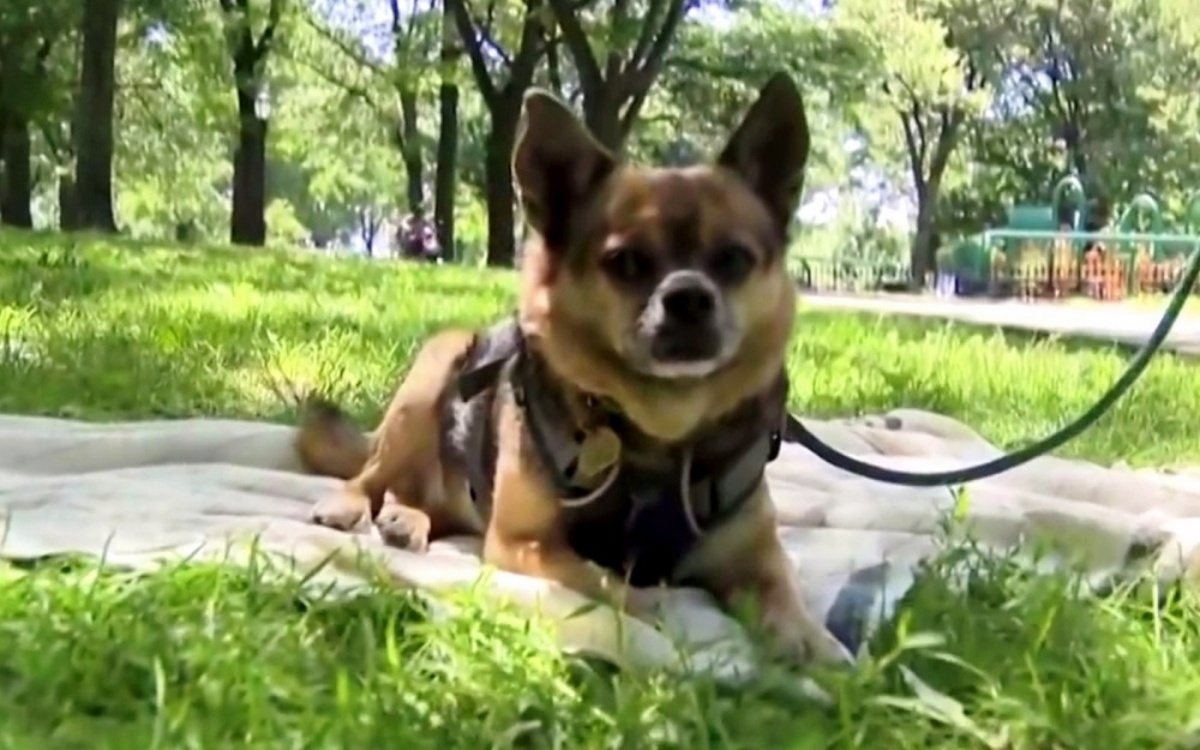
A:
{"points": [[615, 434]]}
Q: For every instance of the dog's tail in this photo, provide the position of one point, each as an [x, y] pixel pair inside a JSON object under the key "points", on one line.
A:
{"points": [[328, 441]]}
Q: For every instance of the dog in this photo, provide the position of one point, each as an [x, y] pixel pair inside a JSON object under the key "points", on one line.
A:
{"points": [[613, 434]]}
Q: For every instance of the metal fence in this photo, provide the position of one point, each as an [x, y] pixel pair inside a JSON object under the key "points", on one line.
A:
{"points": [[1022, 264]]}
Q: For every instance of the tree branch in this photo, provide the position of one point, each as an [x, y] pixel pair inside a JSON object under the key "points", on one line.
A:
{"points": [[591, 79], [267, 37], [470, 38], [646, 35], [618, 17], [485, 37], [347, 48], [529, 52], [394, 7], [914, 134], [915, 157], [353, 90], [629, 117], [913, 116], [951, 120], [651, 64], [553, 65]]}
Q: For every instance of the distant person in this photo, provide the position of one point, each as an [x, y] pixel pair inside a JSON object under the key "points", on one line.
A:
{"points": [[417, 240]]}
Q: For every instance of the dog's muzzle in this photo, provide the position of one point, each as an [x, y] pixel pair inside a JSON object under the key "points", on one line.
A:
{"points": [[683, 317]]}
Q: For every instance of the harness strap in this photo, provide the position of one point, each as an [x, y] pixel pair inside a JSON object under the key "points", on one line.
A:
{"points": [[708, 496], [709, 499], [480, 470], [492, 352], [550, 430]]}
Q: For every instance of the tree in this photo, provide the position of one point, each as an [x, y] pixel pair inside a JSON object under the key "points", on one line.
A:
{"points": [[1094, 75], [91, 195], [933, 84], [1095, 88], [717, 70], [249, 51], [617, 68], [392, 87], [27, 38], [502, 88], [446, 180]]}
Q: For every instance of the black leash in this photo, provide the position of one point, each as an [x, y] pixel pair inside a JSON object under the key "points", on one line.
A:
{"points": [[800, 434]]}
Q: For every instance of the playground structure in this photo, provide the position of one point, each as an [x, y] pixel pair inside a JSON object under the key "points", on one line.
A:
{"points": [[1046, 252], [1043, 251]]}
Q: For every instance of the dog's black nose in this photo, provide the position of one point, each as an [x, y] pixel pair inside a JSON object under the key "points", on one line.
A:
{"points": [[689, 304]]}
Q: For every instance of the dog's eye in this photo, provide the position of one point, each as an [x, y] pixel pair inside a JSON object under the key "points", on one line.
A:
{"points": [[731, 263], [629, 264]]}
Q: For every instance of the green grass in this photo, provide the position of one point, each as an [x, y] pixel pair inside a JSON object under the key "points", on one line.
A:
{"points": [[217, 658]]}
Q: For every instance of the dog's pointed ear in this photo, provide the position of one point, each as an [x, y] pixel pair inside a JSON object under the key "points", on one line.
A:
{"points": [[557, 165], [769, 149]]}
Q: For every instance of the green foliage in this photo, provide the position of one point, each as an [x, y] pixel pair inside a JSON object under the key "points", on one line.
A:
{"points": [[956, 107]]}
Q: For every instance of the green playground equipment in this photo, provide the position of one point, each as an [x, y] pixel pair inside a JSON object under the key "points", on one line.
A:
{"points": [[971, 262], [1044, 251]]}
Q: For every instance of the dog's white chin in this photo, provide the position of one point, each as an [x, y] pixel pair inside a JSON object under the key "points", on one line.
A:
{"points": [[679, 370]]}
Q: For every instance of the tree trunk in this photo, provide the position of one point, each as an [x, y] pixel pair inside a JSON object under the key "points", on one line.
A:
{"points": [[410, 139], [446, 179], [248, 225], [501, 215], [504, 106], [615, 87], [447, 169], [921, 257], [92, 128], [16, 185], [67, 215], [602, 115]]}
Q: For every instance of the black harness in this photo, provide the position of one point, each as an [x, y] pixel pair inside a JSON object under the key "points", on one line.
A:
{"points": [[639, 522]]}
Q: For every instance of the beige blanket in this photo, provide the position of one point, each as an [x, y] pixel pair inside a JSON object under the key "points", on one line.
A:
{"points": [[138, 493]]}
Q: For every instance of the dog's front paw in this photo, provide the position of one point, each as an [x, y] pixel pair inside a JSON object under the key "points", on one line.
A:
{"points": [[822, 647], [403, 527], [644, 603], [344, 511], [797, 637]]}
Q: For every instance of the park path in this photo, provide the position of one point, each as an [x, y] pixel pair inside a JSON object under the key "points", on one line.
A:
{"points": [[1116, 322]]}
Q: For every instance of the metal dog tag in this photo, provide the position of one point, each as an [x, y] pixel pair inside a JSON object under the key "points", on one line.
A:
{"points": [[598, 453]]}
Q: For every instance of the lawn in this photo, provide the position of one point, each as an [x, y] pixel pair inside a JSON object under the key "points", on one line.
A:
{"points": [[215, 658]]}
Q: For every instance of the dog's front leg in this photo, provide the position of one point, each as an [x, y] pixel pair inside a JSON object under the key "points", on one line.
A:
{"points": [[405, 458], [743, 563], [775, 586], [526, 530], [552, 560]]}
